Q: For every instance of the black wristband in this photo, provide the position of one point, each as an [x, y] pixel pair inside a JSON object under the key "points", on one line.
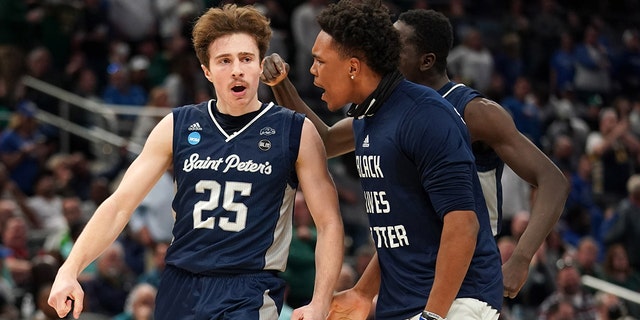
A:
{"points": [[426, 315]]}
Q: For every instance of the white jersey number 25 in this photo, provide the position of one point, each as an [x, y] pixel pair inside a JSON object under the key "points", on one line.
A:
{"points": [[230, 189]]}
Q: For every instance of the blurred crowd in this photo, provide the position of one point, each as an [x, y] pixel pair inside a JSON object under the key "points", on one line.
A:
{"points": [[569, 77]]}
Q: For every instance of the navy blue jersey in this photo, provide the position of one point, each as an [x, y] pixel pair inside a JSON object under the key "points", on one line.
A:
{"points": [[235, 192], [415, 165], [489, 165]]}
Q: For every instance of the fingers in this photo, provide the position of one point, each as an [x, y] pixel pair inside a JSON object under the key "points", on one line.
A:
{"points": [[53, 301], [67, 304], [61, 306], [510, 292], [297, 314], [274, 69], [78, 305]]}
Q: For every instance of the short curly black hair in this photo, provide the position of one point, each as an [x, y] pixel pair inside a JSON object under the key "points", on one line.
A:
{"points": [[432, 34], [363, 29]]}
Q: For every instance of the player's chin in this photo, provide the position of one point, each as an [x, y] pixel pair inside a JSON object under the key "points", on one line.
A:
{"points": [[327, 99], [333, 107]]}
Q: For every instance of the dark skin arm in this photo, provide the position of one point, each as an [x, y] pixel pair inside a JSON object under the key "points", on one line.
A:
{"points": [[356, 302], [457, 244], [532, 165], [338, 139]]}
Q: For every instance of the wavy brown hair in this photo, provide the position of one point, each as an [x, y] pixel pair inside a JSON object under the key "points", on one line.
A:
{"points": [[230, 19]]}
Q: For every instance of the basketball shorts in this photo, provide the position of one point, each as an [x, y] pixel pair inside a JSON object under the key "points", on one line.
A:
{"points": [[187, 296], [469, 308]]}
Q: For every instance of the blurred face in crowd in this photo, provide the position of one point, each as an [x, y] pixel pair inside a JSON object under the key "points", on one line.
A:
{"points": [[569, 280]]}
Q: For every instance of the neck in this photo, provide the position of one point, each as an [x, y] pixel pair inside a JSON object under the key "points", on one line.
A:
{"points": [[238, 110], [364, 85], [439, 82], [434, 80]]}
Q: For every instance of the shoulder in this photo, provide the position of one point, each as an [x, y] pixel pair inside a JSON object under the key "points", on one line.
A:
{"points": [[275, 108], [416, 98], [202, 107], [481, 108], [423, 113], [282, 112], [190, 111], [411, 89]]}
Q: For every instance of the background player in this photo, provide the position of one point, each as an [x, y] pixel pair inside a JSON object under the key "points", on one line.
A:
{"points": [[237, 163]]}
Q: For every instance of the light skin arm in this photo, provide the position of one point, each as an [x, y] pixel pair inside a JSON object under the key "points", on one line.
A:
{"points": [[322, 200], [338, 139], [457, 244], [532, 165], [111, 217]]}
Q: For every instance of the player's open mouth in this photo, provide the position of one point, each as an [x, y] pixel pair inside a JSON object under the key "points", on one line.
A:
{"points": [[238, 88]]}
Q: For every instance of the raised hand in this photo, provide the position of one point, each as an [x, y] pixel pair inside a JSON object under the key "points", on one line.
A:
{"points": [[274, 70]]}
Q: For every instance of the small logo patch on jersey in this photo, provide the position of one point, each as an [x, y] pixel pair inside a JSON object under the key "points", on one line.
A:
{"points": [[264, 144], [365, 143], [267, 131], [195, 127], [194, 138]]}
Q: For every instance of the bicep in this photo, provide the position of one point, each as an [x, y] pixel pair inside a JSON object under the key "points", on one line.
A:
{"points": [[148, 167], [462, 222], [313, 174], [438, 146], [516, 150]]}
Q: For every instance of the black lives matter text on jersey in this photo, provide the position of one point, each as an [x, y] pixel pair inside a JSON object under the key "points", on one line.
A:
{"points": [[376, 202], [389, 236], [369, 166]]}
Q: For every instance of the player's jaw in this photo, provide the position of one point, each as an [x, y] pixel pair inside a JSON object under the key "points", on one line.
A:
{"points": [[332, 95]]}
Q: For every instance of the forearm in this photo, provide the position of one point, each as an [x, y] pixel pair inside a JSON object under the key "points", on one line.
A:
{"points": [[329, 256], [457, 245], [103, 228], [337, 139], [369, 283], [546, 209], [286, 95]]}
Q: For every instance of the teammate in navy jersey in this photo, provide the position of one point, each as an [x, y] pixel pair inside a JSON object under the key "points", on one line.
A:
{"points": [[426, 38], [435, 250], [237, 165]]}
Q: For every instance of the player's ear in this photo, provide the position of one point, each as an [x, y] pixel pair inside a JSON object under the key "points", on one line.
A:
{"points": [[207, 73], [427, 61]]}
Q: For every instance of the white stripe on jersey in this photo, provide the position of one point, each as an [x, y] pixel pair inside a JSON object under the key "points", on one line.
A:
{"points": [[452, 88], [490, 191]]}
